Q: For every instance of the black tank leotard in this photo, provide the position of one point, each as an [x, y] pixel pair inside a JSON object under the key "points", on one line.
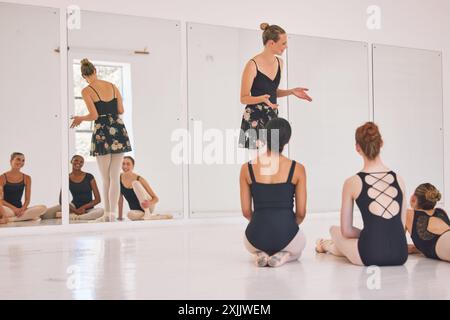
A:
{"points": [[13, 191], [382, 242], [273, 225], [424, 240], [130, 196], [81, 191]]}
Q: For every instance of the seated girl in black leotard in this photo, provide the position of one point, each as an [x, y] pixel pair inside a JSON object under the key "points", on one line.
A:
{"points": [[138, 193], [273, 182], [379, 194], [428, 226], [13, 185], [82, 186]]}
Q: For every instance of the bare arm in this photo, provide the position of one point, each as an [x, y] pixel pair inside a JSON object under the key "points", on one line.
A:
{"points": [[120, 108], [150, 191], [404, 204], [92, 111], [347, 228], [298, 92], [409, 220], [300, 194], [27, 192], [248, 76], [246, 197]]}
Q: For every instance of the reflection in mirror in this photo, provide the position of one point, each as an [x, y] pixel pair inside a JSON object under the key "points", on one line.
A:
{"points": [[85, 195], [30, 156], [122, 109], [139, 195], [109, 141]]}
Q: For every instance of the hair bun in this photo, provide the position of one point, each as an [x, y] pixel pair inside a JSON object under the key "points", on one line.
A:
{"points": [[264, 26], [433, 195], [85, 61]]}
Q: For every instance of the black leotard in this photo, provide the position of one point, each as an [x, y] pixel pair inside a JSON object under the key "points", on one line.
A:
{"points": [[130, 196], [273, 224], [81, 191], [13, 191], [424, 240], [382, 242]]}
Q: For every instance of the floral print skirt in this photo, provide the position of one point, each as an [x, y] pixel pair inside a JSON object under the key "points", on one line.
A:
{"points": [[110, 136], [254, 118]]}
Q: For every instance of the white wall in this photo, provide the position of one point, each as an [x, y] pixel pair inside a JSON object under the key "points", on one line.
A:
{"points": [[408, 23]]}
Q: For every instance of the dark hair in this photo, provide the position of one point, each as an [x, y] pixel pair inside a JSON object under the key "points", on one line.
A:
{"points": [[87, 68], [16, 154], [427, 196], [129, 158], [76, 155], [271, 32], [278, 134], [368, 137]]}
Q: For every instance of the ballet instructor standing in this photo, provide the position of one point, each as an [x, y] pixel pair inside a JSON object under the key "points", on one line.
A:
{"points": [[110, 138], [259, 86]]}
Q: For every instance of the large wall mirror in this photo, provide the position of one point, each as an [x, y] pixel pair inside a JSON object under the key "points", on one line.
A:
{"points": [[124, 154], [30, 153]]}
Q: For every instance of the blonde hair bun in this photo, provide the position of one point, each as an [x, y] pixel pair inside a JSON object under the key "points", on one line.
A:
{"points": [[433, 195], [264, 26]]}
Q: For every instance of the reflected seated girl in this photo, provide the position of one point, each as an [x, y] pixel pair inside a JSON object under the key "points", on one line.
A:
{"points": [[81, 185], [13, 184], [140, 196]]}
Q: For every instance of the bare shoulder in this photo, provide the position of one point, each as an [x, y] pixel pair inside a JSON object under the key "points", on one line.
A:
{"points": [[300, 169], [250, 66], [352, 185], [27, 178], [141, 179], [86, 92], [401, 182], [350, 181], [245, 174]]}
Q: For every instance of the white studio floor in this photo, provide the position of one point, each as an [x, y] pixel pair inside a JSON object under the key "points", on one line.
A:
{"points": [[196, 259]]}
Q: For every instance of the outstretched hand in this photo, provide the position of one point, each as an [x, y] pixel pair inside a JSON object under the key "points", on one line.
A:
{"points": [[76, 122], [301, 93]]}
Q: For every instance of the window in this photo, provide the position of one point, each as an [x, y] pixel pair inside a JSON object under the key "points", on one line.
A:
{"points": [[112, 72]]}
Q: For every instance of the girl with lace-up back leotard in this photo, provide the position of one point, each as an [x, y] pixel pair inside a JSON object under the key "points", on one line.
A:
{"points": [[110, 138], [273, 235], [259, 86], [379, 195], [429, 226]]}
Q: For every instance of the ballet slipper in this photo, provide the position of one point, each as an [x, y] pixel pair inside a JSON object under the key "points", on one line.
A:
{"points": [[154, 216], [278, 259], [320, 245], [319, 248], [261, 259], [73, 216]]}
